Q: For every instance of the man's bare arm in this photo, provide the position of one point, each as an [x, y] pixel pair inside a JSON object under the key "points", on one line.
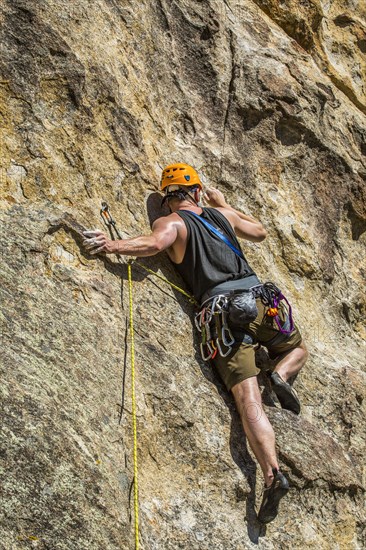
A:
{"points": [[244, 226], [163, 235]]}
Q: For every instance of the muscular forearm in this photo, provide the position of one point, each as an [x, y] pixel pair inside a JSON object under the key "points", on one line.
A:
{"points": [[243, 216], [164, 234], [137, 246], [145, 245], [244, 226]]}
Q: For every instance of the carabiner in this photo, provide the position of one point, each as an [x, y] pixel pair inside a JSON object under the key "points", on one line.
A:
{"points": [[207, 315], [220, 349], [198, 321], [207, 331], [107, 218], [220, 302], [207, 357], [226, 330]]}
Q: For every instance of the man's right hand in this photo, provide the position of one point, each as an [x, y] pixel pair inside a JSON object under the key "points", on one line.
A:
{"points": [[215, 198]]}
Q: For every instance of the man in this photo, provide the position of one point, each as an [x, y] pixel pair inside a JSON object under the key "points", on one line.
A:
{"points": [[202, 244]]}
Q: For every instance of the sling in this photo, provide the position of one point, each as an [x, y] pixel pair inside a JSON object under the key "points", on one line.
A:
{"points": [[219, 234]]}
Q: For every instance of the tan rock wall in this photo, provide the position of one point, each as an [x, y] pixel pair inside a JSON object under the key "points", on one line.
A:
{"points": [[334, 33], [95, 98]]}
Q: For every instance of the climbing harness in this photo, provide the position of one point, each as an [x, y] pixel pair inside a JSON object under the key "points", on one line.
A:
{"points": [[220, 314], [213, 322]]}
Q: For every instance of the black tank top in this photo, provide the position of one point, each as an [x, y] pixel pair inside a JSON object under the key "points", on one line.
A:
{"points": [[208, 261]]}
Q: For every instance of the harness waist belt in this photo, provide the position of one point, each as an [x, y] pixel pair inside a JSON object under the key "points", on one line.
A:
{"points": [[239, 284]]}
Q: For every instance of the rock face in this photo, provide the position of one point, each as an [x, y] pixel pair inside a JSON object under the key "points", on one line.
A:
{"points": [[334, 33], [267, 101]]}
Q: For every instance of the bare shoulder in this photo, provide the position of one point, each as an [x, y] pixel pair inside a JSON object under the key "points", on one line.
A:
{"points": [[167, 221], [229, 214], [170, 218]]}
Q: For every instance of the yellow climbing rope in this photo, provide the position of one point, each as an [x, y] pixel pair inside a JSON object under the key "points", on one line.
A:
{"points": [[134, 423], [109, 221], [189, 296]]}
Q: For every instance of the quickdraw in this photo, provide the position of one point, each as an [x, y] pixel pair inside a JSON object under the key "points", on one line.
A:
{"points": [[107, 218], [211, 322]]}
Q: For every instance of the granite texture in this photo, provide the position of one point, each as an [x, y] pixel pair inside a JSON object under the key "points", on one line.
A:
{"points": [[267, 101]]}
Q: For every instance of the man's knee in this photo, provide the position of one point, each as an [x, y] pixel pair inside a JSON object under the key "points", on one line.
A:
{"points": [[248, 398], [300, 352], [246, 389], [248, 402], [303, 351], [304, 347]]}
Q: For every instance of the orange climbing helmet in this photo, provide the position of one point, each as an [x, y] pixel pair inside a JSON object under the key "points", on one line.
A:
{"points": [[179, 174]]}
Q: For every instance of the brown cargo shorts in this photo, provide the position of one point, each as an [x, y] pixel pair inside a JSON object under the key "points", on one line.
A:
{"points": [[240, 363]]}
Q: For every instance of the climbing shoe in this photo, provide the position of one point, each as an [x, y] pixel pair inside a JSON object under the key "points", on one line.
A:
{"points": [[285, 393], [272, 496]]}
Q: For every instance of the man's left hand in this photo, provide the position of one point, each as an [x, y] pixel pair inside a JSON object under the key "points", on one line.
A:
{"points": [[96, 241], [215, 198]]}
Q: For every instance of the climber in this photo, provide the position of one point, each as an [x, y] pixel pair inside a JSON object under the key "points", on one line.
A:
{"points": [[201, 242]]}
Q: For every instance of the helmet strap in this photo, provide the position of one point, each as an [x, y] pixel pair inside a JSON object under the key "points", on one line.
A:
{"points": [[180, 194], [174, 194], [199, 202]]}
